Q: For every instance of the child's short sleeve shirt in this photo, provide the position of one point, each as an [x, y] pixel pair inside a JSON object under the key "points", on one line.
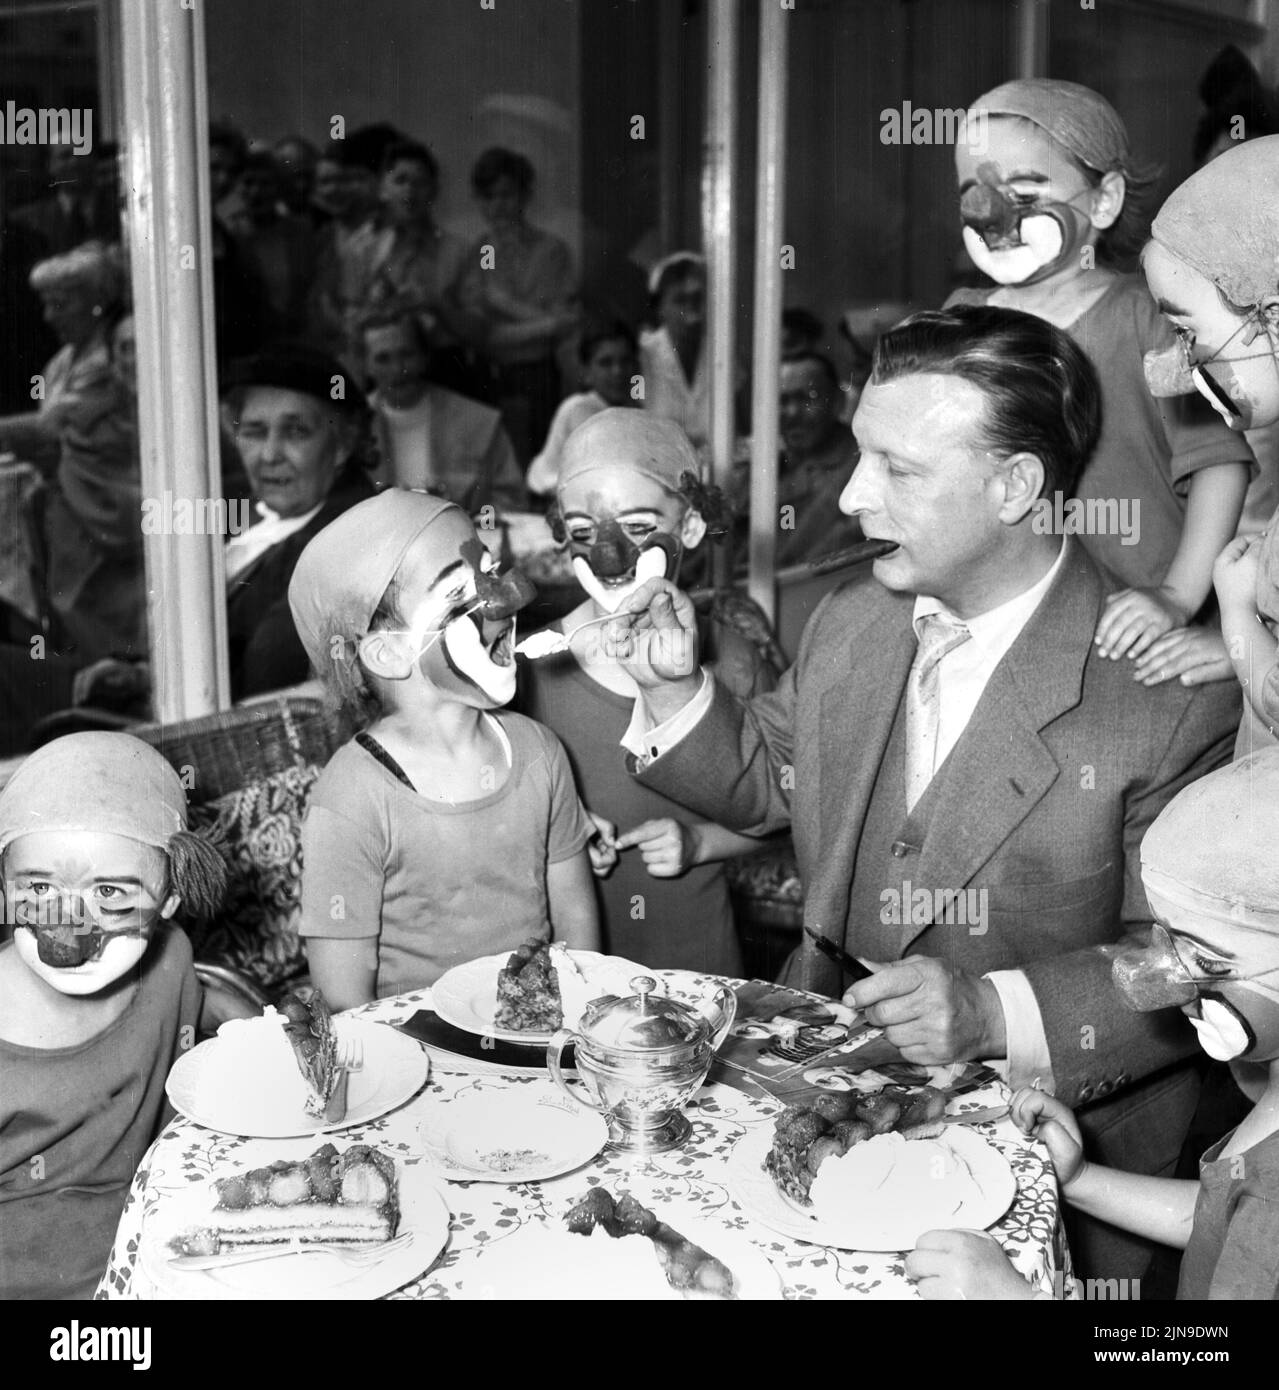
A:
{"points": [[1233, 1251], [438, 884]]}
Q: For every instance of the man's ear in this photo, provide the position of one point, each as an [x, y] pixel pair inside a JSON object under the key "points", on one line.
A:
{"points": [[386, 654], [1022, 478], [1108, 201], [692, 529]]}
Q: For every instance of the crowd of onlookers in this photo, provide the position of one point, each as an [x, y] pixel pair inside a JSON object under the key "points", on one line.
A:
{"points": [[472, 363]]}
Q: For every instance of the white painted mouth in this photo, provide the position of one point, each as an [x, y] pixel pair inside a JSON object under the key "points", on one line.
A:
{"points": [[612, 592]]}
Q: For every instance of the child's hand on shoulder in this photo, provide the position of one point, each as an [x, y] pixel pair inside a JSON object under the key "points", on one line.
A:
{"points": [[667, 846], [1134, 618], [1194, 655], [964, 1264], [1234, 575], [1045, 1118]]}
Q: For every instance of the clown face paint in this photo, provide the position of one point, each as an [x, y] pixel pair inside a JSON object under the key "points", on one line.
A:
{"points": [[462, 613], [84, 905], [623, 529], [1020, 204], [1231, 360], [1223, 976]]}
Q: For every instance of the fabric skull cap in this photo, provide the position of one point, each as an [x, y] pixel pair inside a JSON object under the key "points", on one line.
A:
{"points": [[1213, 846], [1224, 222], [634, 439], [295, 366], [1076, 117], [342, 574], [106, 782]]}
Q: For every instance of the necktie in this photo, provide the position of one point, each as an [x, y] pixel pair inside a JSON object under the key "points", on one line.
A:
{"points": [[938, 634]]}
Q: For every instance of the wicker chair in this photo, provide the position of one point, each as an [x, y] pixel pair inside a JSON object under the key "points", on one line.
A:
{"points": [[220, 755]]}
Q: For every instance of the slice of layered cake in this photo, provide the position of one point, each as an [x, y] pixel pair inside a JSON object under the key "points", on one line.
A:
{"points": [[308, 1024], [351, 1198], [528, 991]]}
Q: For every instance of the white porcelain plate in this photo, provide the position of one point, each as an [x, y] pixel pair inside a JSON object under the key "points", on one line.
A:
{"points": [[519, 1136], [424, 1215], [466, 996], [543, 1260], [394, 1069], [887, 1221]]}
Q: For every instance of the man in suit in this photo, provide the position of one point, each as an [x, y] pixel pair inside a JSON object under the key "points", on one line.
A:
{"points": [[427, 436], [966, 779]]}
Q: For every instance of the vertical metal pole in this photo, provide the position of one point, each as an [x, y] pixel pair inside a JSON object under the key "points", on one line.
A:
{"points": [[168, 213], [1032, 38], [669, 126], [770, 211], [718, 209]]}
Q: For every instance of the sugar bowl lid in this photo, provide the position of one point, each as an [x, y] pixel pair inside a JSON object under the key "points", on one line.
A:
{"points": [[642, 1021]]}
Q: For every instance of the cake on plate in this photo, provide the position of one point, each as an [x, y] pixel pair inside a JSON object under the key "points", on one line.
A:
{"points": [[330, 1198], [308, 1025], [528, 991], [688, 1268], [805, 1138]]}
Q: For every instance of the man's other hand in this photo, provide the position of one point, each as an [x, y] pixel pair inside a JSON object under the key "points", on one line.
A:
{"points": [[931, 1012]]}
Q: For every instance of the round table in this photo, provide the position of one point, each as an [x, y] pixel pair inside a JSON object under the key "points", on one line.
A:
{"points": [[694, 1176]]}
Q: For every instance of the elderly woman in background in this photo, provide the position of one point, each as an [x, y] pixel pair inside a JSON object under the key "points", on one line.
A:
{"points": [[82, 293], [303, 453], [518, 294]]}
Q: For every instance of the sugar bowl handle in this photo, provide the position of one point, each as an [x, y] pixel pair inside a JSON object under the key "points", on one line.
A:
{"points": [[554, 1054]]}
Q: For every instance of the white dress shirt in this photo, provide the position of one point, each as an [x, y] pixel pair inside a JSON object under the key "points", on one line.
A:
{"points": [[244, 549], [408, 436], [964, 674]]}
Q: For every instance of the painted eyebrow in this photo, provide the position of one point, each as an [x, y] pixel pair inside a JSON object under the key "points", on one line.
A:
{"points": [[1165, 307], [1179, 935], [125, 879], [446, 572]]}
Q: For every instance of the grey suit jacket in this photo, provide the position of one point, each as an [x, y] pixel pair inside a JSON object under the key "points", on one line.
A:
{"points": [[1063, 766]]}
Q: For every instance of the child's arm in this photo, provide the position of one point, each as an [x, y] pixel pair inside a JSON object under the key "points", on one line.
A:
{"points": [[1213, 507], [1249, 643], [344, 969], [570, 895], [670, 847], [343, 880], [1134, 618], [1161, 1209]]}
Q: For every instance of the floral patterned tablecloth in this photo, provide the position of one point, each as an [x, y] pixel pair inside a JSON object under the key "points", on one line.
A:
{"points": [[693, 1176]]}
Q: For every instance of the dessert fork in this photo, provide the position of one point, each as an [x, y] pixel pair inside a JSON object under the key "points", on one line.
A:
{"points": [[350, 1057], [539, 644], [361, 1255]]}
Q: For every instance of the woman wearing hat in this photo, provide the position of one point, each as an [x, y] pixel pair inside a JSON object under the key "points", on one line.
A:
{"points": [[301, 450]]}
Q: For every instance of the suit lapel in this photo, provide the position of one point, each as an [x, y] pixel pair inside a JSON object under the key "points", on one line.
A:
{"points": [[857, 709], [1001, 768]]}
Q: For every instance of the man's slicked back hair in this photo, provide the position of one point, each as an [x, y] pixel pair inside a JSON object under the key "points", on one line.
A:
{"points": [[1042, 393]]}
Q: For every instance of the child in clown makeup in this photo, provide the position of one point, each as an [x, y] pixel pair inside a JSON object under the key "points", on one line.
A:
{"points": [[629, 505], [1211, 265], [97, 995], [1210, 877], [1051, 202], [448, 828]]}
